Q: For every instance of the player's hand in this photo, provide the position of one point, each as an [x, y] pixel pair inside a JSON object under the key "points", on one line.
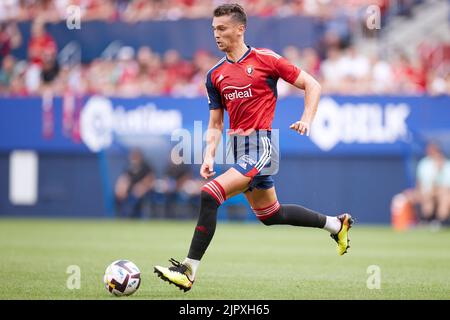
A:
{"points": [[207, 168], [301, 127]]}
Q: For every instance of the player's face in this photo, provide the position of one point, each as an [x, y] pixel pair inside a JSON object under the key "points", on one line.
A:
{"points": [[227, 32]]}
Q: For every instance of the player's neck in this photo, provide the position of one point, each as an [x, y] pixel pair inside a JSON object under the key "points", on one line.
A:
{"points": [[237, 53]]}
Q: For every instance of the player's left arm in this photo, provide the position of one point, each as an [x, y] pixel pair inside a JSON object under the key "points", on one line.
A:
{"points": [[312, 90]]}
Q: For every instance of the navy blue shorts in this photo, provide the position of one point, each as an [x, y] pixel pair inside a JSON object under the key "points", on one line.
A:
{"points": [[260, 182], [256, 154]]}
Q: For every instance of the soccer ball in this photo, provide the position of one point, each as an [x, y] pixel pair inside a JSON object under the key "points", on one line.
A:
{"points": [[122, 278]]}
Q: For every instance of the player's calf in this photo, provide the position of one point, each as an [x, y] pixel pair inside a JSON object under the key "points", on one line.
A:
{"points": [[294, 215], [212, 196], [183, 274]]}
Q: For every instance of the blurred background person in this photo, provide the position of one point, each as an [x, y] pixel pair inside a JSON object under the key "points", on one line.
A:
{"points": [[6, 72], [10, 38], [133, 186], [433, 186], [42, 52], [183, 194]]}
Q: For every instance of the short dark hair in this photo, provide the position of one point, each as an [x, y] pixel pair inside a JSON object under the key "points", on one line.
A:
{"points": [[235, 10]]}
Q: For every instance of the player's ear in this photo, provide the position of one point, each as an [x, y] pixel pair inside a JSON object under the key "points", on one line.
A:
{"points": [[241, 29]]}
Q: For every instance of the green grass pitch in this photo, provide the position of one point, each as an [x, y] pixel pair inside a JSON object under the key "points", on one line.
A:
{"points": [[244, 261]]}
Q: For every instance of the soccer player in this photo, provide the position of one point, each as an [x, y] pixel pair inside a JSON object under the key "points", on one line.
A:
{"points": [[244, 84]]}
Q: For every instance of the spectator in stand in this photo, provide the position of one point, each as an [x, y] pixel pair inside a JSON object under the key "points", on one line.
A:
{"points": [[438, 84], [41, 43], [46, 10], [332, 73], [98, 9], [17, 87], [100, 79], [50, 69], [202, 62], [408, 76], [6, 73], [382, 78], [10, 38], [42, 52], [310, 61], [127, 71], [151, 73], [177, 70], [292, 54], [144, 62], [8, 9], [356, 71]]}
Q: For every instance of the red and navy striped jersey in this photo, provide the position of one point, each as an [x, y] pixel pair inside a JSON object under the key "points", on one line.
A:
{"points": [[247, 88]]}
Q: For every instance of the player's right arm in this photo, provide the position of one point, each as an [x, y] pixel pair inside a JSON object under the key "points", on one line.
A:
{"points": [[213, 137], [215, 126]]}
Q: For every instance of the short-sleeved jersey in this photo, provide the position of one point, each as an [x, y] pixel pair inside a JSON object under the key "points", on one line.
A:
{"points": [[247, 88]]}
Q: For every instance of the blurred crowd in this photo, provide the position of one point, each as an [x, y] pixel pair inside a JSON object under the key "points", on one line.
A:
{"points": [[341, 70], [339, 66], [141, 10]]}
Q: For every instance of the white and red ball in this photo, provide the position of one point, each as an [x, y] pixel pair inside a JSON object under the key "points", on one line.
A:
{"points": [[122, 278]]}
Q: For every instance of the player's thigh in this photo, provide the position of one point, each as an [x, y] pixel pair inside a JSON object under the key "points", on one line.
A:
{"points": [[233, 182], [261, 198]]}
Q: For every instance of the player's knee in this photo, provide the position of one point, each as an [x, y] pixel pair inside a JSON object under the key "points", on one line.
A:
{"points": [[269, 215], [213, 192]]}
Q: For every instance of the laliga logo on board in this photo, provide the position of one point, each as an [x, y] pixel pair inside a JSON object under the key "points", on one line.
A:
{"points": [[96, 123], [362, 123], [99, 121]]}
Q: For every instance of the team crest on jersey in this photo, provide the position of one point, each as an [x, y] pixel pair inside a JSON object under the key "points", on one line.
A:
{"points": [[249, 70]]}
